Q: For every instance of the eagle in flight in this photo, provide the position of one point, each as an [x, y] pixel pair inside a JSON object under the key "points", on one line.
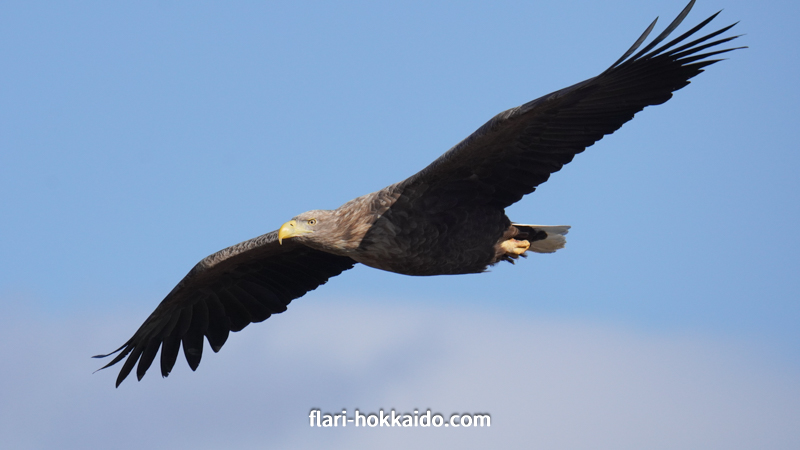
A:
{"points": [[447, 219]]}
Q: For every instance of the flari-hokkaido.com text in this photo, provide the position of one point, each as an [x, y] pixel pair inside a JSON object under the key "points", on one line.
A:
{"points": [[392, 419]]}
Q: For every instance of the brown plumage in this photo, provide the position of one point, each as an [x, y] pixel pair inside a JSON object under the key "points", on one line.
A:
{"points": [[447, 219]]}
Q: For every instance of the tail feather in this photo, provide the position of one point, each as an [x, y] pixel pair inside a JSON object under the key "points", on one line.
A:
{"points": [[555, 236]]}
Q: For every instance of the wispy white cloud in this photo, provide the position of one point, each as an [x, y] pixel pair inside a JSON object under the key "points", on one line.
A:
{"points": [[547, 384]]}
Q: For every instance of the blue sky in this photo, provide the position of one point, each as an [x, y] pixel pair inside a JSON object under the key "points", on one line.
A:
{"points": [[138, 138]]}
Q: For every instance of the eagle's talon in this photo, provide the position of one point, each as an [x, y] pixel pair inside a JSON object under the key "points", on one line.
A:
{"points": [[515, 248]]}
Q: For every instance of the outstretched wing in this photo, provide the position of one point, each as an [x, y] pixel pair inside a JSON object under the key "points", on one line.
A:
{"points": [[226, 291], [518, 149]]}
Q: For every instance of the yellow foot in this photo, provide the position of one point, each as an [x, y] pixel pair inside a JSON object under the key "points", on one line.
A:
{"points": [[515, 247]]}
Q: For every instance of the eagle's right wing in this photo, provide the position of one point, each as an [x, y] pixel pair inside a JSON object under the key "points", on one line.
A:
{"points": [[224, 292]]}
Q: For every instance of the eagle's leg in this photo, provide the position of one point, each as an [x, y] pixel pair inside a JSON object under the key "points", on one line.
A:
{"points": [[514, 248]]}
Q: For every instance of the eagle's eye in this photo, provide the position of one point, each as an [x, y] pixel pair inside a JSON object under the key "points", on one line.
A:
{"points": [[312, 221]]}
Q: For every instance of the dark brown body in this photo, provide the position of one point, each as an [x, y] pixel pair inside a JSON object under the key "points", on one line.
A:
{"points": [[416, 241], [415, 230]]}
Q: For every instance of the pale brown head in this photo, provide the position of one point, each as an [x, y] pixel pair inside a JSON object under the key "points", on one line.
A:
{"points": [[308, 226]]}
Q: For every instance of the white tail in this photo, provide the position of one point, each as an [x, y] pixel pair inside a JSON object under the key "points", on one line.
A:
{"points": [[555, 237]]}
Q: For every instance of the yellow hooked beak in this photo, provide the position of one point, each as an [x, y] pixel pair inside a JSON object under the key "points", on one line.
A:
{"points": [[291, 229]]}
